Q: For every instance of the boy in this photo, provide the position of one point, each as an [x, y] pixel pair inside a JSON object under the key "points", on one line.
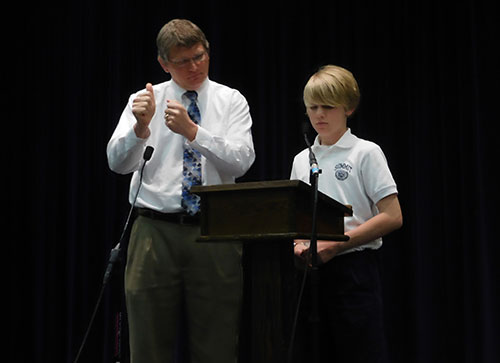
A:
{"points": [[355, 172]]}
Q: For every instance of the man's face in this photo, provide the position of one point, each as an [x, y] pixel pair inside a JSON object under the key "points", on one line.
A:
{"points": [[188, 66]]}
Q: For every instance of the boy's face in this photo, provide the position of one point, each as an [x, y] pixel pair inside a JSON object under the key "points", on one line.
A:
{"points": [[328, 121], [187, 66]]}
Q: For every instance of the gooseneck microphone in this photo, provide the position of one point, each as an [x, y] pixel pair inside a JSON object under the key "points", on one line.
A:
{"points": [[313, 163], [115, 252]]}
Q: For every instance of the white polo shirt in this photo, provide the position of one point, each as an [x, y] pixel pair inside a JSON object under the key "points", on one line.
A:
{"points": [[353, 171]]}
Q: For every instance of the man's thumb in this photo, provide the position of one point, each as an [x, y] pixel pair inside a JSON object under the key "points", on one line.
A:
{"points": [[149, 88]]}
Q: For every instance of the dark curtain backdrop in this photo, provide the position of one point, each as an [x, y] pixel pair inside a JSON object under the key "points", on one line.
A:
{"points": [[428, 73]]}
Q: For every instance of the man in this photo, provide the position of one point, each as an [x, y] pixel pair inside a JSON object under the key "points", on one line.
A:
{"points": [[201, 134]]}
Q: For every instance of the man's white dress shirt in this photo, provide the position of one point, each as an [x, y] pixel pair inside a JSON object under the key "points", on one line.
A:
{"points": [[224, 140]]}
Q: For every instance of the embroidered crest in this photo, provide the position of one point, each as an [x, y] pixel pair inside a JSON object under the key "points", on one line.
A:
{"points": [[342, 171]]}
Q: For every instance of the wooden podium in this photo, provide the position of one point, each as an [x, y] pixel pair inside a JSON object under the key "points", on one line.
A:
{"points": [[267, 217]]}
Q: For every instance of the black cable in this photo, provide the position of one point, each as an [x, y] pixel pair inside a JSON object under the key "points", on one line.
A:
{"points": [[297, 310]]}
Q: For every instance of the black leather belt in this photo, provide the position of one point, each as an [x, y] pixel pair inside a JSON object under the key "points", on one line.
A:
{"points": [[179, 218]]}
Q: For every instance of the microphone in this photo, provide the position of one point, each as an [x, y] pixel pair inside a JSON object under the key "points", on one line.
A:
{"points": [[148, 153], [313, 163]]}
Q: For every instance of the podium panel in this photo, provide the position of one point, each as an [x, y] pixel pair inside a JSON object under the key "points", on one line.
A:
{"points": [[279, 209], [267, 217]]}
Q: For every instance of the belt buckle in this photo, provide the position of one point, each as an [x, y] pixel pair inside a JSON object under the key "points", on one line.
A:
{"points": [[182, 217]]}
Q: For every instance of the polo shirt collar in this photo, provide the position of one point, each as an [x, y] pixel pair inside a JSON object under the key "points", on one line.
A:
{"points": [[346, 141]]}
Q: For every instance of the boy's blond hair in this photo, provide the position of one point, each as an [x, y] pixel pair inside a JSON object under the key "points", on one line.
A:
{"points": [[332, 86], [179, 32]]}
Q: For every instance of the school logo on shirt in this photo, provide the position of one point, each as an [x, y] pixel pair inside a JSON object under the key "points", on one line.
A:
{"points": [[342, 171]]}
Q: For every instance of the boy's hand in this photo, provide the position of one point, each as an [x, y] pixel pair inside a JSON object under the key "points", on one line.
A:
{"points": [[326, 251]]}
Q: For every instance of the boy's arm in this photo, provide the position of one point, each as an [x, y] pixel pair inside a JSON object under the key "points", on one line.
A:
{"points": [[389, 219]]}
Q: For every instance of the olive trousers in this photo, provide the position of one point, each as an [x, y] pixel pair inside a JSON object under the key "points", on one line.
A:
{"points": [[167, 273]]}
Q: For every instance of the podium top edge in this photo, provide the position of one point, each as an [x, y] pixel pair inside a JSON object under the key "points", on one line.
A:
{"points": [[271, 184], [199, 189]]}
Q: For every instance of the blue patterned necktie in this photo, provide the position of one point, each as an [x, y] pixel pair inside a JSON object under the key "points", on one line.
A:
{"points": [[191, 171]]}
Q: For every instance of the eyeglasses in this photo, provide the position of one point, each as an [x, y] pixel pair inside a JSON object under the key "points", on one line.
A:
{"points": [[197, 59]]}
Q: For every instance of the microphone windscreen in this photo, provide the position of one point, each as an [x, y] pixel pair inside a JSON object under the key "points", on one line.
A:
{"points": [[148, 153]]}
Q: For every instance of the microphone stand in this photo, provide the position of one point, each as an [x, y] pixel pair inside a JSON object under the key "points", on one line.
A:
{"points": [[313, 248], [115, 253], [315, 281]]}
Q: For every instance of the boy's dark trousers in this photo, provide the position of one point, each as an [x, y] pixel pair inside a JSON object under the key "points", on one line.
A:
{"points": [[351, 312]]}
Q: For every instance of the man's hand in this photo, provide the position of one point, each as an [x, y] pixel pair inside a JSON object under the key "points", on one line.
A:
{"points": [[178, 120], [143, 108]]}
